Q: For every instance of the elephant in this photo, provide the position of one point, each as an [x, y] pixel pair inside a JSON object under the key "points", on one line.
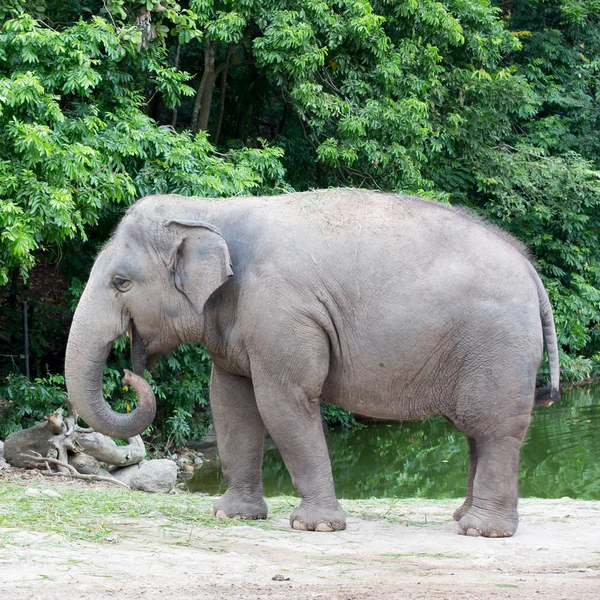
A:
{"points": [[391, 306]]}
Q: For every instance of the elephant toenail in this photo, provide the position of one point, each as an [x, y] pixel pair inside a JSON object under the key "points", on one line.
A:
{"points": [[299, 525], [495, 534], [323, 527], [473, 532], [221, 514]]}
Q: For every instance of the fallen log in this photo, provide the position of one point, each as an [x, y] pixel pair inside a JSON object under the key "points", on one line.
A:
{"points": [[48, 439], [106, 450], [71, 470], [61, 439]]}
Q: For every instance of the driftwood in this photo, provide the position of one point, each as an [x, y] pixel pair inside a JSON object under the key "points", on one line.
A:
{"points": [[51, 438], [71, 471], [59, 447], [105, 450], [69, 448]]}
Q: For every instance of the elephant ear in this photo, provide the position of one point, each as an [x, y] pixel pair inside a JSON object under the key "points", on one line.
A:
{"points": [[199, 260]]}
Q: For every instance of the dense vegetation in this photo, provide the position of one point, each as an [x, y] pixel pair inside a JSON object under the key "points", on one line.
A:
{"points": [[494, 107]]}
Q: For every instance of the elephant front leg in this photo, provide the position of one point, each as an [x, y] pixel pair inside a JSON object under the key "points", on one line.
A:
{"points": [[240, 441], [294, 421]]}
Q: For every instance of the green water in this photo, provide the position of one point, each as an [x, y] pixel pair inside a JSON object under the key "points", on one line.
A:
{"points": [[428, 459]]}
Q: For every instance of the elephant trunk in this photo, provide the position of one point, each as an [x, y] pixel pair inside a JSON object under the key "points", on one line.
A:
{"points": [[87, 350]]}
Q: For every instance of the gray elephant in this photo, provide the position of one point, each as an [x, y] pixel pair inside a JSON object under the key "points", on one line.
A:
{"points": [[393, 307]]}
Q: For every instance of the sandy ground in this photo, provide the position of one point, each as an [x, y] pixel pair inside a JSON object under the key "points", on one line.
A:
{"points": [[555, 555]]}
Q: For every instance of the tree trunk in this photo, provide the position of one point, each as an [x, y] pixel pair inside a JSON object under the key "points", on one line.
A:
{"points": [[240, 129], [177, 56], [284, 117], [222, 92], [201, 111]]}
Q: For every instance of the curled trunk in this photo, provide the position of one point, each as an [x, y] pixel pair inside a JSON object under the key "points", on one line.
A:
{"points": [[86, 356]]}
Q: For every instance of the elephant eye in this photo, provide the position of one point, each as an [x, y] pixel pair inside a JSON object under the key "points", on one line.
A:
{"points": [[122, 283]]}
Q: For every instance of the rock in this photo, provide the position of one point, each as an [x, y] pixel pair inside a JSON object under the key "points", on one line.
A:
{"points": [[124, 474], [188, 459], [149, 476], [155, 476], [4, 466]]}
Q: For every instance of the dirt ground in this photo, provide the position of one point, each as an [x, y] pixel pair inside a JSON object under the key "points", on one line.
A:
{"points": [[555, 555]]}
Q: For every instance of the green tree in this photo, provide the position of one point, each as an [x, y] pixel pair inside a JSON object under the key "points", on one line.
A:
{"points": [[490, 107], [75, 141], [77, 146]]}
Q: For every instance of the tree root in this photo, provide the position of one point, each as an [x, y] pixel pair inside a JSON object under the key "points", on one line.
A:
{"points": [[70, 449], [71, 470]]}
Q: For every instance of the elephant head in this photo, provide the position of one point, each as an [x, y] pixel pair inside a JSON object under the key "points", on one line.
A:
{"points": [[152, 280]]}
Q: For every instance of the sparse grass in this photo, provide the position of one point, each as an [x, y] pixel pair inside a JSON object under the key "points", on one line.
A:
{"points": [[405, 511], [421, 555], [89, 513], [104, 514]]}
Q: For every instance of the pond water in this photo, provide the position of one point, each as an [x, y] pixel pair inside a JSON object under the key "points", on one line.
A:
{"points": [[428, 459]]}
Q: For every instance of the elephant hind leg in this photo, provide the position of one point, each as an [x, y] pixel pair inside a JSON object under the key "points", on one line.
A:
{"points": [[493, 509], [461, 511]]}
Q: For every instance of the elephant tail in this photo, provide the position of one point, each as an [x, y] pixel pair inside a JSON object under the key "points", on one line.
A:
{"points": [[548, 395]]}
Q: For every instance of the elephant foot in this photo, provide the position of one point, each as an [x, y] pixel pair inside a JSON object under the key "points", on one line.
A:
{"points": [[477, 522], [316, 518], [230, 505], [461, 511]]}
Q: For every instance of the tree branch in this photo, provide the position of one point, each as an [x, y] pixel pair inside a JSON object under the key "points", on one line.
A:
{"points": [[221, 67], [72, 470]]}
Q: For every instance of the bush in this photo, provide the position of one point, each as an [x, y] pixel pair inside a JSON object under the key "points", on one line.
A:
{"points": [[492, 108], [24, 403]]}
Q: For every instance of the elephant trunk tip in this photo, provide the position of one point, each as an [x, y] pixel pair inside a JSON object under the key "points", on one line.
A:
{"points": [[146, 409], [128, 378]]}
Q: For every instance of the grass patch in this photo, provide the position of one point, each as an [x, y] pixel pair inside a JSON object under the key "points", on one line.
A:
{"points": [[92, 514], [101, 514]]}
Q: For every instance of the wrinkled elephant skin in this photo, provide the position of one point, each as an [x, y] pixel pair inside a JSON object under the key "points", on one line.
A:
{"points": [[393, 307]]}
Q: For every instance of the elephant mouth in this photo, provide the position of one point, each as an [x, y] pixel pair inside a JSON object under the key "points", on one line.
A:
{"points": [[139, 355]]}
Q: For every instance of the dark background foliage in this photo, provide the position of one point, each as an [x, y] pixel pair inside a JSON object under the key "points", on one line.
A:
{"points": [[492, 106]]}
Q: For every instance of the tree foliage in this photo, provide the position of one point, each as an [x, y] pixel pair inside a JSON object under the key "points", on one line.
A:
{"points": [[75, 141], [493, 107]]}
